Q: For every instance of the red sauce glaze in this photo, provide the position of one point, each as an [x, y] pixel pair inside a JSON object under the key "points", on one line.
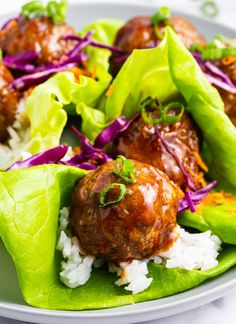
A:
{"points": [[140, 225], [39, 34], [139, 33], [140, 142], [228, 98], [8, 102]]}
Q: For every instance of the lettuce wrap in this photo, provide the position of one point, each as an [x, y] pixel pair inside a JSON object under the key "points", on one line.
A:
{"points": [[29, 209], [31, 198], [50, 103]]}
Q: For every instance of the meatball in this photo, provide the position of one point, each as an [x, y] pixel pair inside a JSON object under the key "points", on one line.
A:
{"points": [[140, 142], [40, 35], [139, 33], [8, 102], [228, 98], [137, 227]]}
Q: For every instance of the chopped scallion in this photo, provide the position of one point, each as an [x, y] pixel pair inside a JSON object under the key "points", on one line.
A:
{"points": [[209, 8], [54, 9], [171, 119], [33, 9], [125, 169], [146, 105], [104, 192]]}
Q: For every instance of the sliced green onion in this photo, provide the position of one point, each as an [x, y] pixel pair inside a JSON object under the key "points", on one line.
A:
{"points": [[165, 117], [103, 194], [162, 15], [146, 104], [125, 169], [33, 9], [54, 9], [224, 39], [209, 8], [196, 48], [57, 11], [218, 53], [1, 56], [172, 106]]}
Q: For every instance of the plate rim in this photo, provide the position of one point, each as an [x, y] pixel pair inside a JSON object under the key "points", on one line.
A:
{"points": [[188, 301]]}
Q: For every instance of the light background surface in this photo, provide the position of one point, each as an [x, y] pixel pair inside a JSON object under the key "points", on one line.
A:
{"points": [[224, 309]]}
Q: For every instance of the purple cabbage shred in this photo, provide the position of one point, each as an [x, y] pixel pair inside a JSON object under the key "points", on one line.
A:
{"points": [[52, 156], [190, 183], [192, 199], [215, 75]]}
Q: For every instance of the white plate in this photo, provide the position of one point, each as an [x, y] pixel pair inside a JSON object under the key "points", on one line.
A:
{"points": [[11, 302]]}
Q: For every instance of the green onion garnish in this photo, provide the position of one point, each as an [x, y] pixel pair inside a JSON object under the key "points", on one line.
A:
{"points": [[209, 8], [171, 119], [103, 194], [125, 169], [217, 53], [54, 9], [225, 40], [57, 11], [162, 15], [1, 56], [149, 104], [33, 9]]}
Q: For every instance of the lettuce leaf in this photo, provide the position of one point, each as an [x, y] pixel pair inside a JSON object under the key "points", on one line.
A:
{"points": [[165, 71], [104, 32], [219, 218], [46, 106], [29, 209]]}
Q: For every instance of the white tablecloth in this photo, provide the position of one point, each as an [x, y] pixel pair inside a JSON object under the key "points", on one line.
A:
{"points": [[224, 309]]}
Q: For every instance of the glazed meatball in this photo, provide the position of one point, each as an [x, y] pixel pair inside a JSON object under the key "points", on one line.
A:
{"points": [[228, 98], [140, 142], [137, 227], [139, 33], [8, 102], [40, 35]]}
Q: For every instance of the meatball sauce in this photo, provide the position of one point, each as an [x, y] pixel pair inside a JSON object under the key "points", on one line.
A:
{"points": [[137, 227], [40, 35], [139, 33], [8, 102], [140, 142]]}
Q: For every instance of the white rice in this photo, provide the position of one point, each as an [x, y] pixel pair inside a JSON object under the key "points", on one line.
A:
{"points": [[134, 274], [76, 267], [19, 134], [190, 251]]}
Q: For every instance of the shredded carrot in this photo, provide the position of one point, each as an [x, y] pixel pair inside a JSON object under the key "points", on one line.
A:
{"points": [[229, 60], [93, 73], [200, 162], [218, 198], [110, 91], [77, 150], [29, 91], [78, 72], [63, 57]]}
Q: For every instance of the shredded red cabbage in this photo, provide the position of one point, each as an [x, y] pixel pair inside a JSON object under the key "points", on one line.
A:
{"points": [[112, 132], [22, 62], [90, 156], [88, 41], [37, 74], [52, 156], [192, 199], [215, 75], [30, 80], [191, 185]]}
